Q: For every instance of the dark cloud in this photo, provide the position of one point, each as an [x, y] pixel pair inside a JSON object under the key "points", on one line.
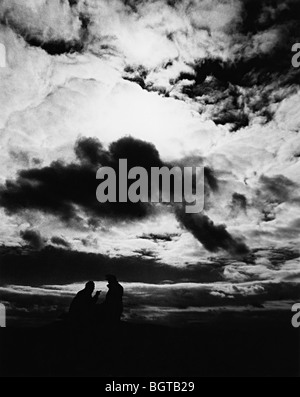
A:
{"points": [[132, 5], [138, 153], [268, 215], [91, 151], [261, 15], [55, 47], [281, 255], [54, 265], [211, 179], [59, 188], [73, 2], [144, 252], [239, 201], [272, 191], [137, 75], [212, 237], [277, 188], [237, 118], [159, 237], [60, 241], [238, 204], [33, 238]]}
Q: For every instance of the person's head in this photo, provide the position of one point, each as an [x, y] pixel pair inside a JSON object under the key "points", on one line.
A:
{"points": [[90, 286], [111, 279]]}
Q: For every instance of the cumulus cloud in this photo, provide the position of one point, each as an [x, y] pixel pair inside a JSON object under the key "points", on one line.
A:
{"points": [[52, 26], [61, 189]]}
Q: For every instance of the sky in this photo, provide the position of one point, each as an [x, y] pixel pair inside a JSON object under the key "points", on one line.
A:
{"points": [[190, 83]]}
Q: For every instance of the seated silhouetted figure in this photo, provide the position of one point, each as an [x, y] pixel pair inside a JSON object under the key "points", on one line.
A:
{"points": [[82, 308], [113, 304]]}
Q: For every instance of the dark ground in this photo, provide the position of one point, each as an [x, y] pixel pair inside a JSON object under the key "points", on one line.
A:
{"points": [[257, 346]]}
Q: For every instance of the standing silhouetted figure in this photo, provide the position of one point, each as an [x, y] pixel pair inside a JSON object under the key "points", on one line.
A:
{"points": [[82, 308], [114, 300]]}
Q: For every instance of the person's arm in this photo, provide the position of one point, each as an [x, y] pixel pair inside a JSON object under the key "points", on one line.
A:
{"points": [[96, 296]]}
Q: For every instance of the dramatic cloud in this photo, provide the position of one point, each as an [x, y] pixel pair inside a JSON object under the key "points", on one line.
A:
{"points": [[59, 188], [277, 188], [33, 238], [53, 26], [60, 242], [158, 237], [240, 200], [54, 265], [213, 237]]}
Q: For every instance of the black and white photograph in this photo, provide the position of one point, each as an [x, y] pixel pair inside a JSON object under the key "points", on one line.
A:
{"points": [[149, 190]]}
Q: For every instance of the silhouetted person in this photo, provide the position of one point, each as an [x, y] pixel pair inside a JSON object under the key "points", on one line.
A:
{"points": [[82, 308], [113, 304]]}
